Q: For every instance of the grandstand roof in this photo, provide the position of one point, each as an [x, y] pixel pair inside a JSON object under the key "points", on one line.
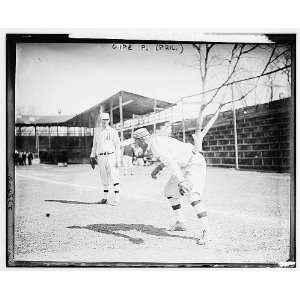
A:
{"points": [[133, 104], [32, 120]]}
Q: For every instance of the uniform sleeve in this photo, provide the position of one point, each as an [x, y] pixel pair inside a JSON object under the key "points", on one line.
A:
{"points": [[117, 143], [93, 153], [165, 158]]}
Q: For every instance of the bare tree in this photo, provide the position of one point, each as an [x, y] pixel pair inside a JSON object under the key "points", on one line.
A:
{"points": [[208, 58]]}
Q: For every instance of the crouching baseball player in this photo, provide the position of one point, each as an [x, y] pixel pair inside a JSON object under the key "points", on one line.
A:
{"points": [[106, 153], [188, 168]]}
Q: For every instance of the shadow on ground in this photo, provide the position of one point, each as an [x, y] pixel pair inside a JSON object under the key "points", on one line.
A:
{"points": [[113, 229], [71, 202]]}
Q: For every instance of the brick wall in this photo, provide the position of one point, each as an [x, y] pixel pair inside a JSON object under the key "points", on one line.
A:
{"points": [[263, 137]]}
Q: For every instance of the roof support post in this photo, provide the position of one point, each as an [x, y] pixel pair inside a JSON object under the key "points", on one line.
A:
{"points": [[183, 121], [172, 119], [49, 140], [121, 115], [132, 125], [111, 114], [84, 141], [37, 145], [236, 153], [154, 116], [79, 135]]}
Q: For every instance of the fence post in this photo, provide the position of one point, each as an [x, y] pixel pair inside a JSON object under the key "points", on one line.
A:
{"points": [[121, 115], [235, 132], [183, 123]]}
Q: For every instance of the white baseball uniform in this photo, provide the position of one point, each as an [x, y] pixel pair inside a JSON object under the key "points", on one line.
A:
{"points": [[185, 164], [183, 161], [106, 148]]}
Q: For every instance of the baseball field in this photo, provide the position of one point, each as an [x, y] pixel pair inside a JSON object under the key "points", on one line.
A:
{"points": [[57, 218]]}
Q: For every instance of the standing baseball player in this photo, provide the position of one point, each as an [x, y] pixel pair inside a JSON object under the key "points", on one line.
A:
{"points": [[188, 168], [106, 153]]}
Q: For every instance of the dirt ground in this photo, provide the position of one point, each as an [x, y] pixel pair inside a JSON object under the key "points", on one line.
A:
{"points": [[56, 218]]}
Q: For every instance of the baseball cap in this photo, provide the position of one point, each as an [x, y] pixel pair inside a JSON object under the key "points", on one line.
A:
{"points": [[140, 133], [104, 116]]}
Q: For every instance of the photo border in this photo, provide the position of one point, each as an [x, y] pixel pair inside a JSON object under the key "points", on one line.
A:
{"points": [[11, 43]]}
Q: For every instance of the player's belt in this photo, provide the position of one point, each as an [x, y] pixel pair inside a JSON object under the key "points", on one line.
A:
{"points": [[105, 153]]}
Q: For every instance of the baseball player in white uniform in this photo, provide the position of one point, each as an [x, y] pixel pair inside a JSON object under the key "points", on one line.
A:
{"points": [[106, 151], [188, 168]]}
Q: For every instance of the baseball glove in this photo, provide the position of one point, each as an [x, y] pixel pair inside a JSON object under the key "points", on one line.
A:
{"points": [[157, 170], [93, 162], [184, 188]]}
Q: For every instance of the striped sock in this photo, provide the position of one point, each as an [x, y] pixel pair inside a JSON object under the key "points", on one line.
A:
{"points": [[176, 207], [105, 193], [117, 191], [201, 213]]}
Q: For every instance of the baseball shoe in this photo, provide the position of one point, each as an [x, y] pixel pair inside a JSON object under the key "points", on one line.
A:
{"points": [[178, 226], [203, 238], [102, 201], [113, 202]]}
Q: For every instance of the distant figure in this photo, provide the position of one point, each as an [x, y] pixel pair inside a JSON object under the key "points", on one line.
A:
{"points": [[24, 158], [128, 154], [30, 158], [20, 160], [16, 157]]}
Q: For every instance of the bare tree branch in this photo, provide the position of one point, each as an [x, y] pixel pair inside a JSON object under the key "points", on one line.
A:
{"points": [[269, 60], [241, 98], [198, 138], [280, 54], [230, 74], [250, 49], [236, 81]]}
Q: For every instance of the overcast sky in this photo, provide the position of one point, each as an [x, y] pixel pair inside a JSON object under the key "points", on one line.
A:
{"points": [[74, 77]]}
